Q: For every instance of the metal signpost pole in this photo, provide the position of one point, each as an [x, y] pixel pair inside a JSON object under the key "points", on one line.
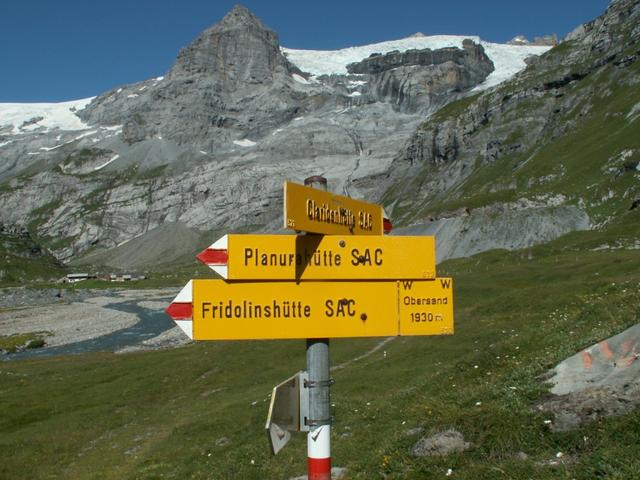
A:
{"points": [[319, 436]]}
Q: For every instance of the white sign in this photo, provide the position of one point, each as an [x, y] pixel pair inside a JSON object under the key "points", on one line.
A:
{"points": [[288, 410]]}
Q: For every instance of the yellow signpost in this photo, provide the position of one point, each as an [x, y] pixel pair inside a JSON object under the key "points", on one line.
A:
{"points": [[324, 257], [349, 281], [316, 211], [272, 310]]}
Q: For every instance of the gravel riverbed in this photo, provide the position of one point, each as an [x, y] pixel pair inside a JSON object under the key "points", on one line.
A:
{"points": [[71, 316]]}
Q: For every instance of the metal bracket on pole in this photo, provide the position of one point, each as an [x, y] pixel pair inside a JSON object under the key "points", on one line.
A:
{"points": [[319, 383], [318, 423]]}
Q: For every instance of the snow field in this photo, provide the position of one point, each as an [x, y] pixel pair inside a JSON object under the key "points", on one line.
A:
{"points": [[55, 115], [507, 59]]}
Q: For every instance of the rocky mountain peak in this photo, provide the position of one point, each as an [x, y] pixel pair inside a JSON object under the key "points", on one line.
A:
{"points": [[544, 41], [519, 40], [240, 16], [239, 48]]}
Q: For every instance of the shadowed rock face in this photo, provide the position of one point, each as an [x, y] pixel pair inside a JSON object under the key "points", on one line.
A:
{"points": [[419, 80], [472, 57]]}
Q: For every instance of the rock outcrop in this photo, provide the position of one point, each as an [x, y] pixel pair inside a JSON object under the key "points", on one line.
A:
{"points": [[422, 80], [471, 57], [546, 40]]}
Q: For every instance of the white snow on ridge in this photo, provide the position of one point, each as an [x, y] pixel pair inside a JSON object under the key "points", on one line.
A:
{"points": [[85, 134], [507, 59], [300, 79], [48, 149], [245, 142], [99, 167], [54, 115]]}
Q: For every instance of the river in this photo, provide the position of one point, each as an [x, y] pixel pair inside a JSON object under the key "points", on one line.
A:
{"points": [[150, 324]]}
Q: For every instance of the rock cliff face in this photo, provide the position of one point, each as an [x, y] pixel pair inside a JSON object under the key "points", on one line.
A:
{"points": [[550, 145], [421, 80], [471, 57], [204, 149], [238, 51], [230, 82]]}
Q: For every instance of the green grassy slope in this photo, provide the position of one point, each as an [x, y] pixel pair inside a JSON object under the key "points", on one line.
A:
{"points": [[22, 260], [199, 411]]}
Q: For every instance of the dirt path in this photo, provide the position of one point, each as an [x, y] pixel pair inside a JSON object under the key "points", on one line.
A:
{"points": [[364, 355]]}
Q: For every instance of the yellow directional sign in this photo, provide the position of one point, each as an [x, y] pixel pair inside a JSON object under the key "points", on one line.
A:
{"points": [[310, 210], [281, 310], [329, 257], [426, 308]]}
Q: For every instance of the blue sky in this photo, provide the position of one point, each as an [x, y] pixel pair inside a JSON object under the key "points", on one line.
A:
{"points": [[69, 49]]}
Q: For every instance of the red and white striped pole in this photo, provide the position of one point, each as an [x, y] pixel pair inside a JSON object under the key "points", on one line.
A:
{"points": [[319, 453]]}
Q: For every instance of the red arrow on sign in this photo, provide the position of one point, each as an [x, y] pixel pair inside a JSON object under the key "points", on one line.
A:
{"points": [[386, 225], [216, 256], [181, 309]]}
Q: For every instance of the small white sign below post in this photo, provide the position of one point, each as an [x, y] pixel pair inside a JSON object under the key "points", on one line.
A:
{"points": [[288, 410]]}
